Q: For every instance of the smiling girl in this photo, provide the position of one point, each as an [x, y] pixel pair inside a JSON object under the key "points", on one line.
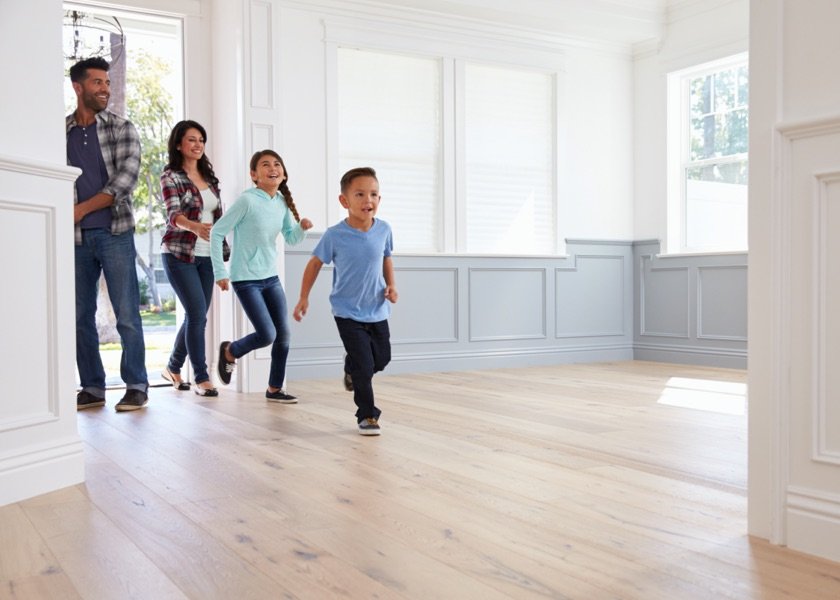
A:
{"points": [[257, 217]]}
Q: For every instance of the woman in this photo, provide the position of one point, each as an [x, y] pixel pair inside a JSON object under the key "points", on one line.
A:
{"points": [[191, 193], [257, 217]]}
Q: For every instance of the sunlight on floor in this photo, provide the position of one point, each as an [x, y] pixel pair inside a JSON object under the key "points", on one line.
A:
{"points": [[723, 397]]}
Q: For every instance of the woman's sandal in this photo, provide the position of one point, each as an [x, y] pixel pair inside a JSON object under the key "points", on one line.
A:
{"points": [[181, 386], [208, 392]]}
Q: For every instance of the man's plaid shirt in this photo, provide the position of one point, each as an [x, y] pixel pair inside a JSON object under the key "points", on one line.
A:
{"points": [[120, 146], [182, 197]]}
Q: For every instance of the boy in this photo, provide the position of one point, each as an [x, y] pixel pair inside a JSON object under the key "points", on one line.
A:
{"points": [[363, 279]]}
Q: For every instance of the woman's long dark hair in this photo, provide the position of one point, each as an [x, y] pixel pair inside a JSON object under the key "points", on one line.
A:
{"points": [[176, 159], [284, 187]]}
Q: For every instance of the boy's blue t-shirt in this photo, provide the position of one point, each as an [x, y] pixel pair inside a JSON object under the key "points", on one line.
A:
{"points": [[358, 288]]}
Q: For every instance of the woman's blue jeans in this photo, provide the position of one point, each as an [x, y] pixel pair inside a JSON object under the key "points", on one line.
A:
{"points": [[113, 255], [193, 284], [264, 302]]}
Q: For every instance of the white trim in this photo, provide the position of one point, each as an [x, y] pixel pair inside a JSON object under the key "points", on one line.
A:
{"points": [[677, 148], [780, 347], [38, 168], [41, 468], [820, 451]]}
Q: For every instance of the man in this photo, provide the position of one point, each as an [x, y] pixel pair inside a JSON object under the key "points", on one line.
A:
{"points": [[106, 148]]}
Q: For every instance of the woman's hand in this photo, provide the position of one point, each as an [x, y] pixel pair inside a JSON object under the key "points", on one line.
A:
{"points": [[202, 230], [305, 224], [223, 284]]}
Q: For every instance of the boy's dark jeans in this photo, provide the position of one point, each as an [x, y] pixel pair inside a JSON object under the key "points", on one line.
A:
{"points": [[368, 347]]}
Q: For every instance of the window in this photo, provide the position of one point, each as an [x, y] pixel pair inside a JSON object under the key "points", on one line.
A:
{"points": [[465, 152], [389, 118], [509, 161], [708, 160]]}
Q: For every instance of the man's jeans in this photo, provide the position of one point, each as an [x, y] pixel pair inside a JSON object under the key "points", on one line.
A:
{"points": [[264, 302], [193, 283], [368, 347], [114, 255]]}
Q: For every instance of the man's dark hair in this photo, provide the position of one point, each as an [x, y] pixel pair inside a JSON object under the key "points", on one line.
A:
{"points": [[79, 71]]}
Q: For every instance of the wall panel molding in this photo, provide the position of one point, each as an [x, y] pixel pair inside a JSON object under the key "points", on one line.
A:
{"points": [[655, 282], [261, 47], [825, 324], [721, 303], [507, 303]]}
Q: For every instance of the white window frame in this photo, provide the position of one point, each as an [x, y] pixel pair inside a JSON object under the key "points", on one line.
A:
{"points": [[453, 52], [678, 160]]}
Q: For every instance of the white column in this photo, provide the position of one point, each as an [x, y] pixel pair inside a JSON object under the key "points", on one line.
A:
{"points": [[40, 449]]}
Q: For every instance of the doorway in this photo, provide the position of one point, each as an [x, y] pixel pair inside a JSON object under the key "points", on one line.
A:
{"points": [[146, 56]]}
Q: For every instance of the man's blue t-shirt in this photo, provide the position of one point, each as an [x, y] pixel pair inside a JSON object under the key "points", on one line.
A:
{"points": [[358, 288], [83, 151]]}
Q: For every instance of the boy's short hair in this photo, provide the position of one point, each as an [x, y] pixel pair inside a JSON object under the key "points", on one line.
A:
{"points": [[350, 175], [78, 72]]}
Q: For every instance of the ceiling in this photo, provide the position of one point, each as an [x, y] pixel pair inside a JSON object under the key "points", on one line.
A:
{"points": [[617, 21]]}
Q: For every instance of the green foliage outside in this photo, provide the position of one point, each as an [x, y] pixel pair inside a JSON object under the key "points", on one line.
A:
{"points": [[719, 124], [149, 107]]}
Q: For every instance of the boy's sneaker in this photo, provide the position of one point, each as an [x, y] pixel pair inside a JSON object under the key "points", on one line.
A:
{"points": [[226, 367], [133, 400], [281, 397], [87, 400], [369, 426], [348, 382]]}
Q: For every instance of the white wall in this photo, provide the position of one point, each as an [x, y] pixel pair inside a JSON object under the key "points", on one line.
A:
{"points": [[595, 89], [598, 169], [794, 338], [696, 32], [33, 93]]}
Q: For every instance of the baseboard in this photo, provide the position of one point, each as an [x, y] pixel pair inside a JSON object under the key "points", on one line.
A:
{"points": [[691, 355], [37, 470], [813, 522], [468, 361]]}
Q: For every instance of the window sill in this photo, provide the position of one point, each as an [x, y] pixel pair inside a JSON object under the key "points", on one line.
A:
{"points": [[701, 253]]}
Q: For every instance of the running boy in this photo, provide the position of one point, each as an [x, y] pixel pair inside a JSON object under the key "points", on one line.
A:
{"points": [[363, 279]]}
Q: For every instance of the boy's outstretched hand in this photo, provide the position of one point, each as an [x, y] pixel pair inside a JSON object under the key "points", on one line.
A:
{"points": [[391, 294]]}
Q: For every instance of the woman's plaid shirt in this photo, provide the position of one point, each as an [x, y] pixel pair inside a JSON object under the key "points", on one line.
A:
{"points": [[182, 197]]}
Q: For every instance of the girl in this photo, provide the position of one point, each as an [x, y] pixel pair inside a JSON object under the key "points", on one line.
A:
{"points": [[257, 217]]}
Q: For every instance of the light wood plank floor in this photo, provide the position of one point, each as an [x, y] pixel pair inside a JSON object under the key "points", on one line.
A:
{"points": [[605, 481]]}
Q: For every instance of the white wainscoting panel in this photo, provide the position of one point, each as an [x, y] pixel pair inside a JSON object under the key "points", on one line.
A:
{"points": [[261, 48], [28, 400], [808, 333], [40, 450], [827, 317]]}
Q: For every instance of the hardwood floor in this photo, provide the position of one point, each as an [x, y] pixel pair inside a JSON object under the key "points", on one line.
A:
{"points": [[602, 481]]}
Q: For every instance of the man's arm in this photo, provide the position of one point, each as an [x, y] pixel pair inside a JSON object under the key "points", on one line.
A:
{"points": [[126, 151], [95, 202]]}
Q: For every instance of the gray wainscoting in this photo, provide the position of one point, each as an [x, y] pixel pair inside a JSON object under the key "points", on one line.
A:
{"points": [[605, 300], [460, 312], [690, 308]]}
